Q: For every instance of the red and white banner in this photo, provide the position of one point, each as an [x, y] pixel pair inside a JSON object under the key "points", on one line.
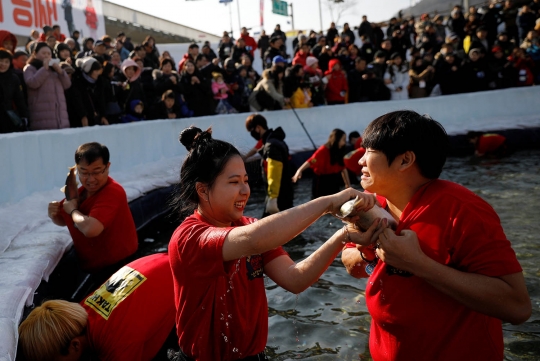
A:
{"points": [[21, 16], [262, 13]]}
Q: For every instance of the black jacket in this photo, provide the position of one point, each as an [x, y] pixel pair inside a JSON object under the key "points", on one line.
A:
{"points": [[11, 94]]}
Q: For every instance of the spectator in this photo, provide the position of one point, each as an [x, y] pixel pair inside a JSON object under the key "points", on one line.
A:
{"points": [[379, 64], [90, 88], [274, 50], [263, 43], [392, 26], [167, 107], [147, 82], [365, 29], [46, 84], [75, 35], [135, 113], [474, 70], [192, 53], [225, 48], [457, 25], [348, 61], [251, 72], [325, 57], [526, 21], [151, 58], [524, 67], [509, 16], [268, 94], [337, 87], [328, 166], [355, 81], [367, 51], [250, 43], [300, 40], [373, 87], [448, 75], [116, 61], [319, 47], [505, 44], [331, 34], [119, 46], [421, 74], [205, 67], [208, 52], [220, 89], [301, 55], [348, 32], [165, 78], [20, 58], [246, 84], [57, 32], [167, 55], [481, 41], [397, 78], [70, 42], [87, 47], [197, 90], [13, 110], [529, 40], [500, 70], [111, 88], [34, 36], [8, 41], [240, 50], [47, 31], [280, 34], [51, 42], [314, 76], [62, 52], [132, 88]]}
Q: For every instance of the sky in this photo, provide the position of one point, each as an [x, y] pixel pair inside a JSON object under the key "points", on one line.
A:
{"points": [[214, 17]]}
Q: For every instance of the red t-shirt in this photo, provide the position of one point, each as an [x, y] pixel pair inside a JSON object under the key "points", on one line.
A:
{"points": [[489, 143], [119, 238], [411, 320], [222, 312], [320, 162], [131, 315]]}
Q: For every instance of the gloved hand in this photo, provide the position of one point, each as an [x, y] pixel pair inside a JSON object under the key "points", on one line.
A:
{"points": [[271, 206]]}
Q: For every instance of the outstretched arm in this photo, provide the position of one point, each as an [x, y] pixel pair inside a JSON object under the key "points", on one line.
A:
{"points": [[298, 173]]}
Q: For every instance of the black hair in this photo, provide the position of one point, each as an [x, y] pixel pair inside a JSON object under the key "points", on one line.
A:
{"points": [[398, 132], [205, 161], [166, 61], [90, 152], [168, 94], [191, 46], [5, 54], [354, 134], [336, 153], [274, 75], [256, 119]]}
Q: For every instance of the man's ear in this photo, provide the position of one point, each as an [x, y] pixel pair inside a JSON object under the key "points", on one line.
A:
{"points": [[407, 159], [202, 190]]}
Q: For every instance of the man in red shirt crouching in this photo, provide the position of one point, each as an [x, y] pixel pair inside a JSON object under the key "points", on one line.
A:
{"points": [[129, 317], [440, 284], [97, 215]]}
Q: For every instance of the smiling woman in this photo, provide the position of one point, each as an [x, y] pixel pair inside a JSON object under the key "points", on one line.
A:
{"points": [[218, 256]]}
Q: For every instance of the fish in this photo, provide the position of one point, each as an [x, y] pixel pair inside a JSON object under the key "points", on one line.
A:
{"points": [[71, 188], [366, 218]]}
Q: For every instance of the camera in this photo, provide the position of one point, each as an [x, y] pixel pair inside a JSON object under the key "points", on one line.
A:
{"points": [[54, 61]]}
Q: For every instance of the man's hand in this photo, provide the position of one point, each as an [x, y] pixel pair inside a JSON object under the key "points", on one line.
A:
{"points": [[401, 251], [271, 206], [71, 205], [53, 212]]}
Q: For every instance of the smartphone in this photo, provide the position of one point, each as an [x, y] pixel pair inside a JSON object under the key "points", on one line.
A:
{"points": [[54, 61]]}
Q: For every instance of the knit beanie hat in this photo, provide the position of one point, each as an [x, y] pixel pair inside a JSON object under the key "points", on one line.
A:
{"points": [[86, 64]]}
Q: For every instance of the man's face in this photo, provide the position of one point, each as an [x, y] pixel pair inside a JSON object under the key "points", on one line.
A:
{"points": [[169, 103], [377, 176], [194, 52], [93, 176], [386, 45], [360, 65], [278, 43], [100, 49]]}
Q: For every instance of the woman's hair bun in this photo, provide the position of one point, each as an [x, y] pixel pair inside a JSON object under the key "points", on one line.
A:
{"points": [[190, 136]]}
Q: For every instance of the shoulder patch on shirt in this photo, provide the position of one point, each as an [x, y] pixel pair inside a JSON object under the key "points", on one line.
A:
{"points": [[314, 160], [116, 289]]}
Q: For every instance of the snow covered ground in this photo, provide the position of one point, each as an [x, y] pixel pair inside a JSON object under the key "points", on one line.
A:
{"points": [[147, 155]]}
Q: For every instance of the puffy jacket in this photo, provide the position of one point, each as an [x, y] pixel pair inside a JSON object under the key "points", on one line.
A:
{"points": [[46, 99]]}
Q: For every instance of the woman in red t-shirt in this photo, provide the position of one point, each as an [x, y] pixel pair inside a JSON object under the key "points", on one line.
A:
{"points": [[218, 257], [328, 166]]}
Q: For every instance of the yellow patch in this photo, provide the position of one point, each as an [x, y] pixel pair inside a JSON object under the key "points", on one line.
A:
{"points": [[314, 160], [105, 299]]}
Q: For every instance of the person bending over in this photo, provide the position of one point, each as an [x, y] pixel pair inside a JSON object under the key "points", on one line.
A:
{"points": [[218, 256], [444, 280], [129, 317]]}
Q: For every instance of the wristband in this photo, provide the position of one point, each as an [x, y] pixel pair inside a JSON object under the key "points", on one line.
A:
{"points": [[366, 260], [71, 213]]}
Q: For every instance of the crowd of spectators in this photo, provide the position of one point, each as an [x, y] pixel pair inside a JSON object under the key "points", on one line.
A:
{"points": [[60, 82]]}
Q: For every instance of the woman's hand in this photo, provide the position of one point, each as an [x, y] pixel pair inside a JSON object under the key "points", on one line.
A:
{"points": [[57, 68], [365, 202], [297, 176], [195, 80]]}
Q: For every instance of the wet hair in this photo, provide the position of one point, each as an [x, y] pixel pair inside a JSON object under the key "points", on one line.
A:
{"points": [[206, 159], [336, 153], [90, 152], [48, 330], [255, 119], [398, 132]]}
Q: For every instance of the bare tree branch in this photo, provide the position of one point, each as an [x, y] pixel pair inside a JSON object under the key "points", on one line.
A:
{"points": [[339, 7]]}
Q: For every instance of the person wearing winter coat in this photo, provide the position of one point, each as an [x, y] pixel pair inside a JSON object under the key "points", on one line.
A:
{"points": [[220, 90], [46, 84], [90, 88], [314, 76], [268, 94], [421, 74], [167, 107], [11, 96], [251, 44], [337, 87], [165, 78], [131, 87], [448, 75], [475, 74], [197, 90], [397, 78]]}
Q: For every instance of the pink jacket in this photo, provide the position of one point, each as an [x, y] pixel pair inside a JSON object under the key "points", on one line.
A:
{"points": [[46, 99], [216, 87]]}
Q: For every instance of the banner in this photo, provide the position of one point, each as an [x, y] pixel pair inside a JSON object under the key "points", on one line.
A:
{"points": [[21, 16], [262, 13]]}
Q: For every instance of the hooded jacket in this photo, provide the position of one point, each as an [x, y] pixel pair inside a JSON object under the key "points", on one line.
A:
{"points": [[337, 83]]}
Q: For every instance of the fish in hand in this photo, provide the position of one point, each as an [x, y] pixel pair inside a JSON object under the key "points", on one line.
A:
{"points": [[71, 189], [365, 218]]}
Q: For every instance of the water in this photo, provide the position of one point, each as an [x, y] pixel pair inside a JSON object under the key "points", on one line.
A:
{"points": [[330, 321]]}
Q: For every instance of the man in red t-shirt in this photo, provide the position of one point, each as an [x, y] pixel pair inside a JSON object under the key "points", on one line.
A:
{"points": [[128, 318], [440, 284], [97, 214], [487, 144]]}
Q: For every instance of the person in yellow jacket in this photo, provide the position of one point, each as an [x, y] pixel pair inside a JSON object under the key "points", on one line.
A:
{"points": [[275, 155]]}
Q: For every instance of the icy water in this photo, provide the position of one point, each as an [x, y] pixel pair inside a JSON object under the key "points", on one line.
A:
{"points": [[330, 321]]}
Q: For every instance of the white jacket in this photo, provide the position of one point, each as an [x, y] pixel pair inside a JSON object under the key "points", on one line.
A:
{"points": [[399, 79]]}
